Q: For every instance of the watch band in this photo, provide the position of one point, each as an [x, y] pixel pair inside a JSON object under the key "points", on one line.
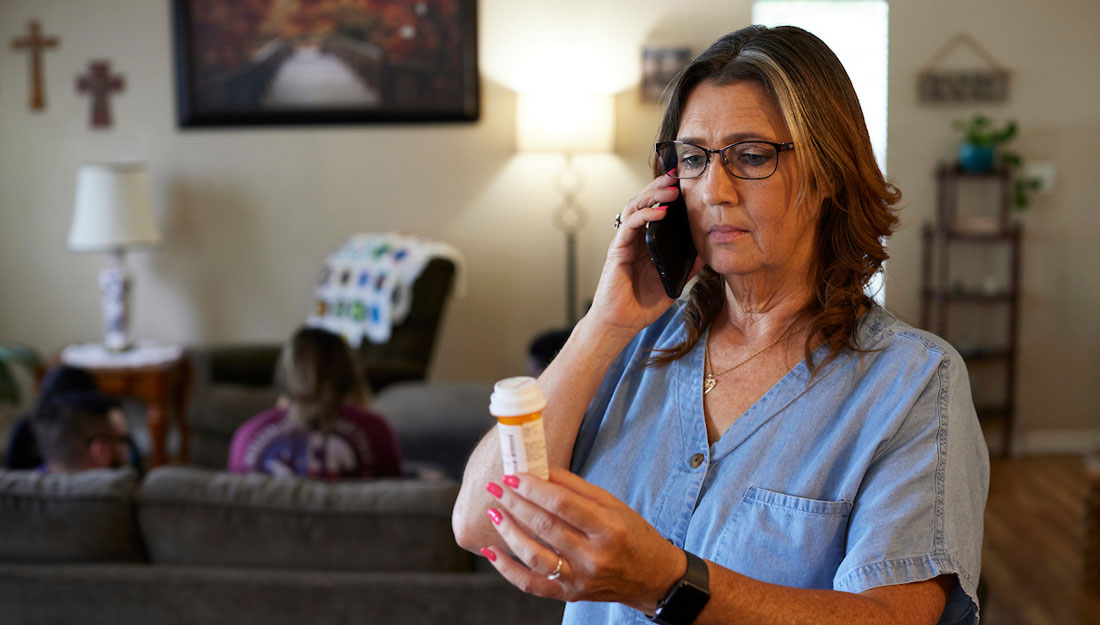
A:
{"points": [[682, 604]]}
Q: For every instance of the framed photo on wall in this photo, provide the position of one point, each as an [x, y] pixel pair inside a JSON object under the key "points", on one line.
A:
{"points": [[660, 64], [259, 62]]}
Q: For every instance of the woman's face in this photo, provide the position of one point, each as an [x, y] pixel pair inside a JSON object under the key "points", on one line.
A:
{"points": [[744, 227]]}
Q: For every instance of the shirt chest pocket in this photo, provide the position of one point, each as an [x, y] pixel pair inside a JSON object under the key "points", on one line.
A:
{"points": [[783, 539]]}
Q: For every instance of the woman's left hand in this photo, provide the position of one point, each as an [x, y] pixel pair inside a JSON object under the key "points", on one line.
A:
{"points": [[608, 551]]}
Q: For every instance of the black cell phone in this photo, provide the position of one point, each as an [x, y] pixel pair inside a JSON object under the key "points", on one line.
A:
{"points": [[670, 246]]}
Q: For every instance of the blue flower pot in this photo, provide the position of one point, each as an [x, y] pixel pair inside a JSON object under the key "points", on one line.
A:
{"points": [[976, 158]]}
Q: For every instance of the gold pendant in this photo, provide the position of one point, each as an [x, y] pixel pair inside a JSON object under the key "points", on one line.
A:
{"points": [[708, 383]]}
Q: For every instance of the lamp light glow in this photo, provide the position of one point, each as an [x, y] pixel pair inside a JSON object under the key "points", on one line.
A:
{"points": [[571, 123]]}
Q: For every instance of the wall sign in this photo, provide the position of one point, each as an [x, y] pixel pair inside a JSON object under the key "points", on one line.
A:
{"points": [[955, 86], [963, 86]]}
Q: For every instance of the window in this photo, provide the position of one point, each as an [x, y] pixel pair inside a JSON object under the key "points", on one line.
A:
{"points": [[864, 57]]}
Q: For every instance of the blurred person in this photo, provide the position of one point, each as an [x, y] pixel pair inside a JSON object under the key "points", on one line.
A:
{"points": [[22, 451], [542, 350], [82, 430], [321, 426]]}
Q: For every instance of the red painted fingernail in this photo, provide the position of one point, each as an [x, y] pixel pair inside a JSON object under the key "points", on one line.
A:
{"points": [[494, 514], [672, 187], [494, 489], [488, 553], [660, 208], [669, 172], [510, 480]]}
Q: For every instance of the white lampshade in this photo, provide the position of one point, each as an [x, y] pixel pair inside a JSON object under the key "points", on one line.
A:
{"points": [[570, 123], [113, 208]]}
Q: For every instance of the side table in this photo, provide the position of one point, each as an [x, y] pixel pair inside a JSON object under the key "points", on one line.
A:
{"points": [[155, 372]]}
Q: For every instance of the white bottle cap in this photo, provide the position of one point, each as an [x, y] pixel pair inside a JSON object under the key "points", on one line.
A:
{"points": [[516, 396]]}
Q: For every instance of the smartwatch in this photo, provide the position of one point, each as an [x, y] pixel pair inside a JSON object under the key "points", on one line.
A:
{"points": [[682, 604]]}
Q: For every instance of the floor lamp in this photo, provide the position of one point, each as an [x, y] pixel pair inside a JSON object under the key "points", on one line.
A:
{"points": [[113, 211], [566, 125]]}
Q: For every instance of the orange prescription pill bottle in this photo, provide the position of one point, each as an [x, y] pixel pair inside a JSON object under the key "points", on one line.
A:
{"points": [[517, 404]]}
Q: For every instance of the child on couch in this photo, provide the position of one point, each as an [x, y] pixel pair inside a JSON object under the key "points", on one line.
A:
{"points": [[320, 427]]}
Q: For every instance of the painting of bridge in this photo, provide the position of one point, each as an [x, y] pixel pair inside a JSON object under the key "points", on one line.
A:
{"points": [[243, 62]]}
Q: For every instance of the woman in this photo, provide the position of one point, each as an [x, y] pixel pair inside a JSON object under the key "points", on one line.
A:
{"points": [[773, 447], [320, 427]]}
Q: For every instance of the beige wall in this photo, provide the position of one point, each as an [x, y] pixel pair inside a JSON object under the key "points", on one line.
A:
{"points": [[249, 214], [1055, 59]]}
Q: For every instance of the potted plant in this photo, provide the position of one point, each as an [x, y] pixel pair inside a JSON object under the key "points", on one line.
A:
{"points": [[1022, 188], [977, 152], [11, 353], [981, 151]]}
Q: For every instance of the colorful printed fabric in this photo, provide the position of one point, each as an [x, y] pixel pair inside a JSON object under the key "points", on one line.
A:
{"points": [[358, 444], [365, 288]]}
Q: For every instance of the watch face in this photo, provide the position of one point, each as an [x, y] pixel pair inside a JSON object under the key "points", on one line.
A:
{"points": [[687, 598]]}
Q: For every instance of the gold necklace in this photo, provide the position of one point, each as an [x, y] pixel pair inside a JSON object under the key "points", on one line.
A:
{"points": [[709, 380]]}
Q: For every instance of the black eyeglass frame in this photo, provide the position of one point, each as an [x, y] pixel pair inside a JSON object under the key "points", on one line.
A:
{"points": [[779, 149]]}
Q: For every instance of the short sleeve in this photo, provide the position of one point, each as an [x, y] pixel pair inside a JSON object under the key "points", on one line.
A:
{"points": [[597, 408], [918, 513], [633, 356], [239, 445]]}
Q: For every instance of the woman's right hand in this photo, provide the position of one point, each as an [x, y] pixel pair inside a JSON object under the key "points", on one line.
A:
{"points": [[629, 295]]}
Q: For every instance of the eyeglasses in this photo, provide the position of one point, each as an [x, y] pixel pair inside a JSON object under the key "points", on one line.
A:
{"points": [[748, 160]]}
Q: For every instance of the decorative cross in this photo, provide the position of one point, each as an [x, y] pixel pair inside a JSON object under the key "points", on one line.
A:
{"points": [[101, 84], [36, 43]]}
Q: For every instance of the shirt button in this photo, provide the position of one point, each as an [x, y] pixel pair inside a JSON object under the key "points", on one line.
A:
{"points": [[696, 460]]}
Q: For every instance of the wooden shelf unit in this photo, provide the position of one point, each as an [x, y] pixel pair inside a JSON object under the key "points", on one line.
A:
{"points": [[939, 297]]}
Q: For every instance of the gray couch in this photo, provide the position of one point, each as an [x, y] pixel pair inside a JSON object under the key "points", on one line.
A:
{"points": [[193, 546]]}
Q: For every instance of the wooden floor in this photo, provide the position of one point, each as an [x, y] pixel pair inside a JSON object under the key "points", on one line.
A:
{"points": [[1032, 555]]}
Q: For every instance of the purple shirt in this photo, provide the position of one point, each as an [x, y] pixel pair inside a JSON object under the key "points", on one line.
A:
{"points": [[358, 443]]}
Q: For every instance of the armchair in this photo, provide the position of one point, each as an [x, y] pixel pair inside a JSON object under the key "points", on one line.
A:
{"points": [[234, 382]]}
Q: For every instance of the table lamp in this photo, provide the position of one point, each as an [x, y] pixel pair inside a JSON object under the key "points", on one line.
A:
{"points": [[566, 125], [113, 211]]}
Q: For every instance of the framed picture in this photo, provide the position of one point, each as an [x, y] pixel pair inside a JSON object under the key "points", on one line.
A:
{"points": [[660, 64], [257, 62]]}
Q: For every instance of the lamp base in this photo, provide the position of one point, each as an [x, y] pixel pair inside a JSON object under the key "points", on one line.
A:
{"points": [[114, 282], [570, 217]]}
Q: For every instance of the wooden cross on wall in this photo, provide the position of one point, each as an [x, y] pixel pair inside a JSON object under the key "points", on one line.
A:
{"points": [[101, 84], [36, 43]]}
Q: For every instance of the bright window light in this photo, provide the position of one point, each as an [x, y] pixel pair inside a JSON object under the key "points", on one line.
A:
{"points": [[864, 57]]}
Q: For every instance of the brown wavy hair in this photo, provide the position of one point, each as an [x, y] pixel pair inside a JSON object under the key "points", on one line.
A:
{"points": [[833, 151]]}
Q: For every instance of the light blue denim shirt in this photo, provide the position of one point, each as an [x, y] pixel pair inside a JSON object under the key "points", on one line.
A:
{"points": [[873, 472]]}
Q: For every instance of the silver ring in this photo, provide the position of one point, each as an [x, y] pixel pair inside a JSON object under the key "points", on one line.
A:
{"points": [[557, 571], [618, 220]]}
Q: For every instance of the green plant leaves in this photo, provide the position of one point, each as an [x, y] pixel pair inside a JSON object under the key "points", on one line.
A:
{"points": [[979, 130], [1022, 190], [14, 353], [9, 386], [1010, 159]]}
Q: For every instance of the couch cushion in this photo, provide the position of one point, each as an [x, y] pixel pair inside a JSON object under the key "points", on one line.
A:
{"points": [[215, 415], [196, 517], [224, 407], [113, 594], [437, 423], [74, 517]]}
